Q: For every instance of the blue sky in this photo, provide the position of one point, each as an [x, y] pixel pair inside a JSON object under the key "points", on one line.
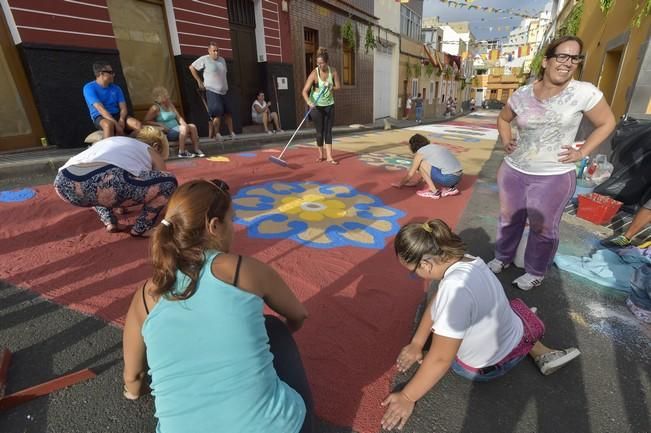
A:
{"points": [[482, 21]]}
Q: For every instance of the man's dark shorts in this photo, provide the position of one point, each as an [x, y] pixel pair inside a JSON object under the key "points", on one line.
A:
{"points": [[218, 105], [99, 118]]}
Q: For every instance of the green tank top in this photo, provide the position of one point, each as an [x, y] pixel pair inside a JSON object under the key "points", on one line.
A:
{"points": [[328, 97], [167, 118]]}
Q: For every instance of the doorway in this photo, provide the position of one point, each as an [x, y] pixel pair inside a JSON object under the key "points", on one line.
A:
{"points": [[142, 38], [20, 126], [610, 72], [311, 46], [245, 74]]}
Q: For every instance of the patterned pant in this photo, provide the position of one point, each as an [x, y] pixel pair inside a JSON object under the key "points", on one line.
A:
{"points": [[109, 187]]}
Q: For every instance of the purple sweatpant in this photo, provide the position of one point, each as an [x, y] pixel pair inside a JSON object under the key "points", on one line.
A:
{"points": [[541, 199]]}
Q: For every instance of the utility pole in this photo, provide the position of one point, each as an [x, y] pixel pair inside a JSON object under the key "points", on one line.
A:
{"points": [[554, 16]]}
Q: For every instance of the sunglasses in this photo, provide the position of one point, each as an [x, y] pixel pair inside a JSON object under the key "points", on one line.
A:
{"points": [[221, 184], [108, 72]]}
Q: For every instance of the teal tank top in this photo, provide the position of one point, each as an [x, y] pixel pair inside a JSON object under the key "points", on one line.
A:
{"points": [[328, 97], [167, 118], [210, 363]]}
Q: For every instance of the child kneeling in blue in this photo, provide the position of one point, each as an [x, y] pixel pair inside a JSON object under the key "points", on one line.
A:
{"points": [[438, 167], [217, 364], [474, 329]]}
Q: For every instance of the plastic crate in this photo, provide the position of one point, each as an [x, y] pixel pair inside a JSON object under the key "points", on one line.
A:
{"points": [[597, 208]]}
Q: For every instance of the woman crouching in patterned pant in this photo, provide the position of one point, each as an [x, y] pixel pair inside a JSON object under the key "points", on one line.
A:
{"points": [[117, 172]]}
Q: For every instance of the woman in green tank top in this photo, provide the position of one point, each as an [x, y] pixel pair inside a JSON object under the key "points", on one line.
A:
{"points": [[323, 81]]}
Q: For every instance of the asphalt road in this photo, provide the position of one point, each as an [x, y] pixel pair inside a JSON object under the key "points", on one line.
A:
{"points": [[608, 389]]}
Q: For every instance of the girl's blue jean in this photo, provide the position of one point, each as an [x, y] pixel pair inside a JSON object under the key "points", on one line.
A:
{"points": [[493, 373], [439, 178], [419, 113]]}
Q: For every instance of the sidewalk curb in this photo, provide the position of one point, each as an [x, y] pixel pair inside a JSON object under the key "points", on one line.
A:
{"points": [[48, 161]]}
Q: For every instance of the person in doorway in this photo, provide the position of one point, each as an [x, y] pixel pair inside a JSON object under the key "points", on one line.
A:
{"points": [[107, 105], [473, 328], [408, 104], [120, 171], [318, 93], [240, 371], [164, 115], [418, 106], [436, 165], [449, 106], [215, 84], [472, 104], [261, 114], [537, 177]]}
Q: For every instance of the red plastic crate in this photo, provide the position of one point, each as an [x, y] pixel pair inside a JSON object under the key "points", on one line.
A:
{"points": [[597, 208]]}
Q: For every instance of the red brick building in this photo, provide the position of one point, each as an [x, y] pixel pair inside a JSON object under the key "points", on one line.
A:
{"points": [[48, 48]]}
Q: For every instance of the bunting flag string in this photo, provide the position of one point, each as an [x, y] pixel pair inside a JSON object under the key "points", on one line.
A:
{"points": [[468, 4]]}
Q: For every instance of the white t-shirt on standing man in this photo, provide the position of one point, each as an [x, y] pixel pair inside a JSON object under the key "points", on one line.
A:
{"points": [[214, 75]]}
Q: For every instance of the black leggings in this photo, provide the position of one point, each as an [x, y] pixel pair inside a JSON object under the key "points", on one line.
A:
{"points": [[323, 118], [288, 365]]}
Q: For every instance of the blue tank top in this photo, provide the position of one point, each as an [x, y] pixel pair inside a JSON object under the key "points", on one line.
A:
{"points": [[210, 363]]}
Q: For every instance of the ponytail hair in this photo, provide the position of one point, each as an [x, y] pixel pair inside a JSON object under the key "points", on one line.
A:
{"points": [[179, 242], [323, 53], [433, 237]]}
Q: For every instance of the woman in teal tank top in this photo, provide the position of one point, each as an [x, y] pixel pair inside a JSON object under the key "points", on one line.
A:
{"points": [[163, 114], [217, 364], [323, 81]]}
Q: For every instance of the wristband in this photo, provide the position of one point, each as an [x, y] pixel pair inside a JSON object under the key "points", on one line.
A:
{"points": [[409, 399]]}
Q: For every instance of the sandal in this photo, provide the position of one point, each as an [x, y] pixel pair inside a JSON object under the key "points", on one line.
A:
{"points": [[333, 162], [320, 159]]}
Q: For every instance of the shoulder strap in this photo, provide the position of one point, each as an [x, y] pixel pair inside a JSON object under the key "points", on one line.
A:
{"points": [[237, 270], [144, 300]]}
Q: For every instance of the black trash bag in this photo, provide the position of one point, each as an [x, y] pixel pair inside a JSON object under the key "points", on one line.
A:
{"points": [[631, 159]]}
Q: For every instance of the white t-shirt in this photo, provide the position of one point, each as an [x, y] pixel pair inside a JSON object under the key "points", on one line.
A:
{"points": [[441, 158], [254, 114], [124, 152], [545, 126], [214, 77], [471, 305]]}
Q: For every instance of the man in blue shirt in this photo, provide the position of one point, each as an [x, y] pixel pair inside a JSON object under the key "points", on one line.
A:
{"points": [[106, 103]]}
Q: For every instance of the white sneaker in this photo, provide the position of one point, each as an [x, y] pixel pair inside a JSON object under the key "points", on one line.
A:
{"points": [[555, 360], [233, 135], [497, 266], [219, 137], [527, 281]]}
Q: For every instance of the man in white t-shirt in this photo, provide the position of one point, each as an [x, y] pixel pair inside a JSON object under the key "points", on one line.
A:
{"points": [[261, 114], [215, 84]]}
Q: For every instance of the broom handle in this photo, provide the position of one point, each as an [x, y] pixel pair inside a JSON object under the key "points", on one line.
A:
{"points": [[302, 121]]}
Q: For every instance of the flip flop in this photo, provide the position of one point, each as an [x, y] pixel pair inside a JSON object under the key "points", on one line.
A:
{"points": [[320, 159], [333, 162]]}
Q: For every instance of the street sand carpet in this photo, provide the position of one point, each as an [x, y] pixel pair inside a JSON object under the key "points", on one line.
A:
{"points": [[326, 229]]}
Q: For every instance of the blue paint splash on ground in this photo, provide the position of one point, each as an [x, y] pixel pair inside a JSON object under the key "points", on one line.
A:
{"points": [[17, 195], [247, 154]]}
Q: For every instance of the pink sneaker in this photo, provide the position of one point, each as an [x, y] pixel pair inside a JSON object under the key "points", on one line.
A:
{"points": [[429, 194], [445, 192]]}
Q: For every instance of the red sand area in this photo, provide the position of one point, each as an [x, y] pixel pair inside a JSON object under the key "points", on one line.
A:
{"points": [[361, 301]]}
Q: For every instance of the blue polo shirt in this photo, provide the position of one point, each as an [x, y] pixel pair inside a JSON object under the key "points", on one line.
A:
{"points": [[109, 96]]}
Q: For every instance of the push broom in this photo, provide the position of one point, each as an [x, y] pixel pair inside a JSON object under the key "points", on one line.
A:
{"points": [[279, 159]]}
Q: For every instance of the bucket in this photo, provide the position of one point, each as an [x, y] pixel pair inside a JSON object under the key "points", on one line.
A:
{"points": [[597, 208]]}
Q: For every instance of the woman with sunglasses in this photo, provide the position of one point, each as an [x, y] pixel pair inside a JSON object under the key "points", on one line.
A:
{"points": [[537, 177], [217, 364], [473, 328]]}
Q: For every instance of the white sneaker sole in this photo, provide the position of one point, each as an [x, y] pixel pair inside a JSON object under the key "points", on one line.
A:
{"points": [[559, 363]]}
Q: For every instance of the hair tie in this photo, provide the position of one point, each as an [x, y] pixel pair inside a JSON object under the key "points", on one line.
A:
{"points": [[166, 223], [427, 228]]}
